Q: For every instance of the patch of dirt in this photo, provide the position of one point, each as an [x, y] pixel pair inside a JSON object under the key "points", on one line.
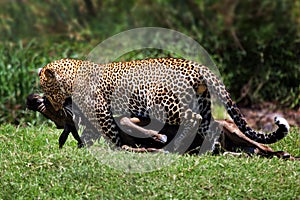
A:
{"points": [[261, 116]]}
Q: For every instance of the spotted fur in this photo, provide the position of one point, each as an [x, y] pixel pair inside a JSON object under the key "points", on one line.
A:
{"points": [[143, 88]]}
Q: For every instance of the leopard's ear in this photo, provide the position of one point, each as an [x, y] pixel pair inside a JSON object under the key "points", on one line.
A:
{"points": [[49, 74]]}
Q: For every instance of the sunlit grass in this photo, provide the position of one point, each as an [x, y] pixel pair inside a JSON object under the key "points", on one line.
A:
{"points": [[32, 166]]}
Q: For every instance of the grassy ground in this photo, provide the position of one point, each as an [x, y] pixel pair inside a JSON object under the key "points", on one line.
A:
{"points": [[32, 166]]}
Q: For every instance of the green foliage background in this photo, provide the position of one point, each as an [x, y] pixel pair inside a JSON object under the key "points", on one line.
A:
{"points": [[255, 43]]}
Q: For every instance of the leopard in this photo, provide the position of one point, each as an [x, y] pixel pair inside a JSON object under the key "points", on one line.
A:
{"points": [[173, 91]]}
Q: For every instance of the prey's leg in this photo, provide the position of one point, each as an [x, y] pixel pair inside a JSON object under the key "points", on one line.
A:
{"points": [[132, 123]]}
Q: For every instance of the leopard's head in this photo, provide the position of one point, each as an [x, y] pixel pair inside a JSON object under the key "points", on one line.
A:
{"points": [[56, 80]]}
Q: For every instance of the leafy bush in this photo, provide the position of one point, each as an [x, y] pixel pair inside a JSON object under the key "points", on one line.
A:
{"points": [[18, 78], [255, 43]]}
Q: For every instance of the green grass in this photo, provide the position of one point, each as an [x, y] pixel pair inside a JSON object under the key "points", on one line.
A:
{"points": [[32, 166]]}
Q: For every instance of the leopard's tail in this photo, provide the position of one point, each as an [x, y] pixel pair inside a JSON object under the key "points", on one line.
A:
{"points": [[216, 86]]}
